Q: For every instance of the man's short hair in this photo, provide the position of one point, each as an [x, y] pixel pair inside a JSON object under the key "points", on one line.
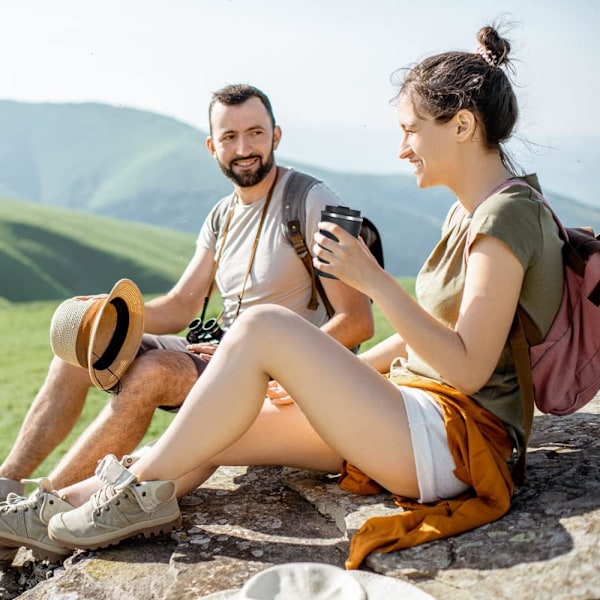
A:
{"points": [[238, 93]]}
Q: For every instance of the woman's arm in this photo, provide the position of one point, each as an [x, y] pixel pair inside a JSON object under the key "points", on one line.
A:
{"points": [[465, 356]]}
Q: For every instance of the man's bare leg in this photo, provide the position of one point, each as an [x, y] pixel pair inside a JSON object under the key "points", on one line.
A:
{"points": [[157, 378], [53, 413]]}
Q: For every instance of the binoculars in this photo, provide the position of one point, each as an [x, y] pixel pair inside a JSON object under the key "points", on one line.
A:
{"points": [[208, 332]]}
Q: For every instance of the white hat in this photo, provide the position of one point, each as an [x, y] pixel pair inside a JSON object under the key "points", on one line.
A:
{"points": [[316, 581], [100, 333]]}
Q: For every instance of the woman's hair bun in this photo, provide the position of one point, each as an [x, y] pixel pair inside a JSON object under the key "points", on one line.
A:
{"points": [[492, 48]]}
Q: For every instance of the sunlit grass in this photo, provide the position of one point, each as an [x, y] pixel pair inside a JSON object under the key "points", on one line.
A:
{"points": [[24, 357]]}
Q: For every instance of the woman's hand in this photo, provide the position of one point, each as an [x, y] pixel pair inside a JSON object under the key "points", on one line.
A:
{"points": [[92, 297], [205, 351], [348, 259], [277, 394]]}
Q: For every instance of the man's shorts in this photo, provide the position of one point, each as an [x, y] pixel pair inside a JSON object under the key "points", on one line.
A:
{"points": [[171, 342]]}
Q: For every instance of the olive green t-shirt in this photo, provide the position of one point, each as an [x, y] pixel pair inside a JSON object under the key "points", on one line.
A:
{"points": [[527, 227]]}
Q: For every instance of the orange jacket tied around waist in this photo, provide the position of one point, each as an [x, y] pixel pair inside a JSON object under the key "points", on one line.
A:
{"points": [[480, 447]]}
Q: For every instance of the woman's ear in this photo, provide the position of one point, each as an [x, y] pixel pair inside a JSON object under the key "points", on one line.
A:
{"points": [[466, 124]]}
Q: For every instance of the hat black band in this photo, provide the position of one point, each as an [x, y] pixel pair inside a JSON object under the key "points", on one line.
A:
{"points": [[118, 338]]}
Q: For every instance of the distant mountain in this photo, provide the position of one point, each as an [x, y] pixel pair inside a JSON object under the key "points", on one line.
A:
{"points": [[139, 166], [565, 163]]}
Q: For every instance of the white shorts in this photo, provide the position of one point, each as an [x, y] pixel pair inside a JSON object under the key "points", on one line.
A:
{"points": [[433, 459]]}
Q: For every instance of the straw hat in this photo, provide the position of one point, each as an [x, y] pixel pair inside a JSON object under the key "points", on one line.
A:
{"points": [[100, 333], [316, 581]]}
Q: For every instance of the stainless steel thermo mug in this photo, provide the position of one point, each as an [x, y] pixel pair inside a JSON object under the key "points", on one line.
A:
{"points": [[345, 217]]}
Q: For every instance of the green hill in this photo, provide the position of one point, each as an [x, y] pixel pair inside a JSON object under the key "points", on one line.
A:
{"points": [[135, 165], [143, 167], [55, 253]]}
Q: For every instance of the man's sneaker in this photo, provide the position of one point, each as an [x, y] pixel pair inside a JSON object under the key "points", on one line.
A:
{"points": [[24, 521], [10, 486], [121, 509]]}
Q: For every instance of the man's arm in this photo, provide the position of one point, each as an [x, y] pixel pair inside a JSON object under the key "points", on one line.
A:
{"points": [[352, 322], [382, 354], [172, 312]]}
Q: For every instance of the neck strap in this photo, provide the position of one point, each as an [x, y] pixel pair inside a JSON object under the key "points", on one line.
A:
{"points": [[254, 247]]}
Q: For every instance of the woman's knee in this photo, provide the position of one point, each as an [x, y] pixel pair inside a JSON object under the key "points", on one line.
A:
{"points": [[264, 319]]}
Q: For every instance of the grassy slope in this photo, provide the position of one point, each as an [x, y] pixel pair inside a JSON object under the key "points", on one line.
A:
{"points": [[24, 357], [140, 166], [53, 253]]}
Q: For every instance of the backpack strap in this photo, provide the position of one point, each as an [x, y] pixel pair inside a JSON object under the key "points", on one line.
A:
{"points": [[294, 196], [294, 230], [520, 352], [218, 221], [523, 333], [372, 238]]}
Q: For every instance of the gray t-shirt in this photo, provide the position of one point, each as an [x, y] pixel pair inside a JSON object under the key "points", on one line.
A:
{"points": [[527, 227], [277, 275]]}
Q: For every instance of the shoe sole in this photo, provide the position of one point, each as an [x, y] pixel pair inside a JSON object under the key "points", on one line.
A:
{"points": [[103, 541], [7, 555], [39, 551]]}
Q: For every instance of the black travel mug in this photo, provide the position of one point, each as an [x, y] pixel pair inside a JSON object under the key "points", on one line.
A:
{"points": [[345, 217]]}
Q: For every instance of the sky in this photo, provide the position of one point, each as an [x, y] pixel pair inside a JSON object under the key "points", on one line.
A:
{"points": [[326, 65]]}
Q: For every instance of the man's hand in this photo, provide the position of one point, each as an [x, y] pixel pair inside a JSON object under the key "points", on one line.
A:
{"points": [[277, 394], [92, 297], [204, 350]]}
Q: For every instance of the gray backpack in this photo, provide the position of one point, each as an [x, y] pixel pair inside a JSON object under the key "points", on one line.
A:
{"points": [[294, 231]]}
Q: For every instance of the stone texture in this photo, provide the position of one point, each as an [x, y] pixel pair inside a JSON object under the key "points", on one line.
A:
{"points": [[245, 519]]}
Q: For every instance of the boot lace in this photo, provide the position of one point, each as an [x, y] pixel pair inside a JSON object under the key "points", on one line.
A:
{"points": [[15, 503], [106, 496]]}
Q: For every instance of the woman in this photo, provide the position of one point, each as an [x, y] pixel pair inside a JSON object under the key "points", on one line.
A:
{"points": [[455, 390]]}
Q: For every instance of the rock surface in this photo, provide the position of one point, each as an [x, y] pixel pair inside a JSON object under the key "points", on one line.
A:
{"points": [[245, 519]]}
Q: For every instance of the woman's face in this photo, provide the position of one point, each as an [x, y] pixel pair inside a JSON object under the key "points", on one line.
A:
{"points": [[427, 145]]}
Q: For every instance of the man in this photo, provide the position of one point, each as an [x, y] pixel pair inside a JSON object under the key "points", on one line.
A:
{"points": [[243, 138]]}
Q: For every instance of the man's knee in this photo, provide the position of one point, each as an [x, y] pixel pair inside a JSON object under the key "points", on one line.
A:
{"points": [[63, 373], [159, 378]]}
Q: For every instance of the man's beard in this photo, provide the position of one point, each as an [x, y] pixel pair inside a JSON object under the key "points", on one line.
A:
{"points": [[249, 178]]}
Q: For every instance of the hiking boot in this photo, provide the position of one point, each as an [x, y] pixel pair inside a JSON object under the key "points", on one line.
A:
{"points": [[121, 509], [130, 459], [10, 486], [24, 522]]}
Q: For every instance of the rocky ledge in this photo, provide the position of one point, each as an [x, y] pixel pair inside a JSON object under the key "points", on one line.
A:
{"points": [[245, 519]]}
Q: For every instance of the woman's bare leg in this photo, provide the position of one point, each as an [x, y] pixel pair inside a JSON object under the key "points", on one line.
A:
{"points": [[281, 427], [358, 414]]}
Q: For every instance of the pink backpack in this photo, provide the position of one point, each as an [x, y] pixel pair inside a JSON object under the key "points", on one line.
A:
{"points": [[561, 372]]}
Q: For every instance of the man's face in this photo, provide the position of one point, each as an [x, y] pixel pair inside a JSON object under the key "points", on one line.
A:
{"points": [[243, 141]]}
